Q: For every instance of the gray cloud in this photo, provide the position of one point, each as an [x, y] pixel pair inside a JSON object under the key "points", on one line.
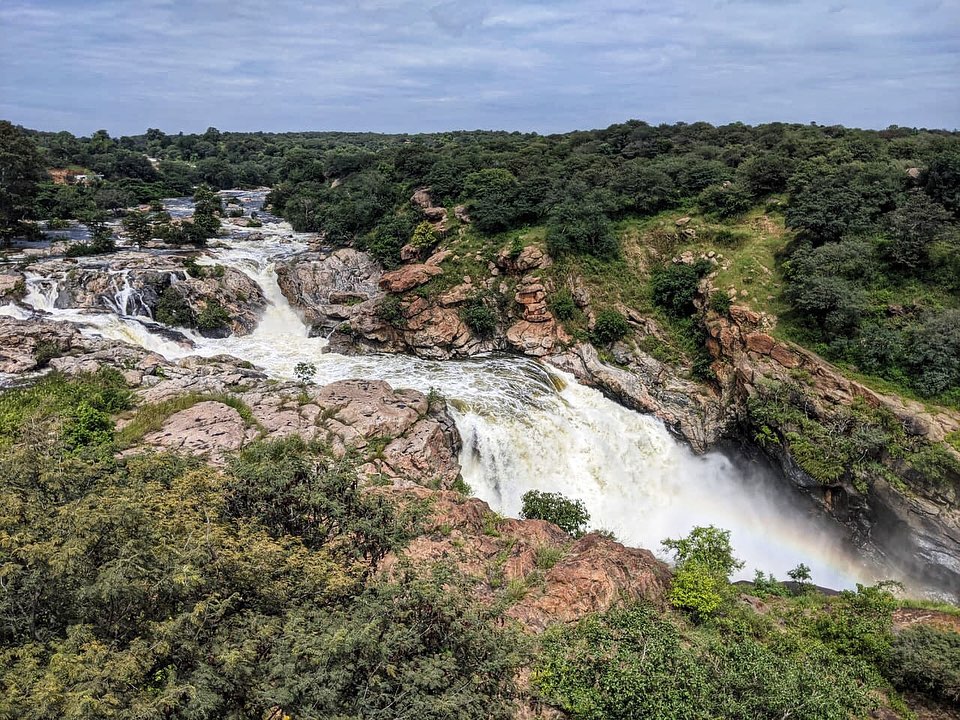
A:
{"points": [[399, 65]]}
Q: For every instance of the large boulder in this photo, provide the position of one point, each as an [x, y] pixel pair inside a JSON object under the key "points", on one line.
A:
{"points": [[329, 289], [409, 277], [208, 429]]}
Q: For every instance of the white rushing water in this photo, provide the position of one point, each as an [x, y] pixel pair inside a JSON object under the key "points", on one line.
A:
{"points": [[523, 427]]}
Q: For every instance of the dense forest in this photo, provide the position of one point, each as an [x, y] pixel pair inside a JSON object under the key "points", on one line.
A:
{"points": [[871, 266]]}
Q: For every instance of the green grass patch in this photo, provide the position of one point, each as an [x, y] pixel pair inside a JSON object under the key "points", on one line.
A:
{"points": [[150, 418]]}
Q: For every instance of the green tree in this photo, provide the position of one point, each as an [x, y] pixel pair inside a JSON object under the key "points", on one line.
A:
{"points": [[675, 287], [21, 169], [581, 228], [569, 515], [493, 198], [138, 227], [704, 561], [914, 227]]}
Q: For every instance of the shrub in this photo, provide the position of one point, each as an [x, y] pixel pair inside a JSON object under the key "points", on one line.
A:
{"points": [[562, 304], [391, 311], [675, 286], [581, 229], [926, 659], [569, 515], [213, 316], [726, 200], [610, 326], [424, 236], [478, 316], [634, 663], [304, 372], [704, 562], [720, 302], [174, 310]]}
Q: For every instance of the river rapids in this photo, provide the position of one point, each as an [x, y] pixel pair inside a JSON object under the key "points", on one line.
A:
{"points": [[524, 426]]}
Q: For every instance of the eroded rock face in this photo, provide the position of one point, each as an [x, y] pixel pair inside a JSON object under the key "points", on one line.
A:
{"points": [[647, 385], [919, 530], [129, 283], [408, 277], [329, 289], [23, 344]]}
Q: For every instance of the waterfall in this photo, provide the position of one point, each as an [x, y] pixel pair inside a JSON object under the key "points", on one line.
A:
{"points": [[126, 298], [525, 427]]}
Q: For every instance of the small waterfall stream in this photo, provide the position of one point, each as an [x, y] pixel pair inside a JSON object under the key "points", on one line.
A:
{"points": [[523, 427]]}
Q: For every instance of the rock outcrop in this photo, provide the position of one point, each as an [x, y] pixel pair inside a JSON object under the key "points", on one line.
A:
{"points": [[644, 384], [583, 576], [435, 215], [331, 288], [129, 283], [27, 345], [913, 521]]}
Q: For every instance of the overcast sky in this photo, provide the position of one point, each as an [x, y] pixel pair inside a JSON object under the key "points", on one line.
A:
{"points": [[396, 66]]}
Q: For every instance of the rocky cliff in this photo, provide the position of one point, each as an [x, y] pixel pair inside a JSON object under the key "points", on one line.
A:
{"points": [[878, 463]]}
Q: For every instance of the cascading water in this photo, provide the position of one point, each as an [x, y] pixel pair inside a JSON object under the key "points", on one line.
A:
{"points": [[525, 427], [126, 298]]}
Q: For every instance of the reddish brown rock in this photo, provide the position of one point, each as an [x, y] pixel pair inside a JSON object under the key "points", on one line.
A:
{"points": [[785, 357], [592, 575], [759, 343], [408, 277], [536, 338]]}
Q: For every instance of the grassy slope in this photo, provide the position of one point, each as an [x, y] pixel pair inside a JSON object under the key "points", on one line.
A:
{"points": [[748, 249]]}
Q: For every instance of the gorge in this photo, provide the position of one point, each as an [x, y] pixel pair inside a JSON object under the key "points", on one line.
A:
{"points": [[524, 424]]}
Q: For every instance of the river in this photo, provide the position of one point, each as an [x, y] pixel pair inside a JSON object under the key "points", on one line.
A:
{"points": [[524, 426]]}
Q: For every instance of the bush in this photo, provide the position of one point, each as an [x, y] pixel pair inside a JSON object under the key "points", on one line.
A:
{"points": [[704, 562], [213, 316], [569, 515], [174, 310], [390, 310], [424, 236], [609, 327], [581, 229], [720, 302], [675, 286], [926, 660], [562, 304], [725, 201], [478, 316], [634, 663]]}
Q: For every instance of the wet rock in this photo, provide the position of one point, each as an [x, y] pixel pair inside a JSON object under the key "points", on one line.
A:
{"points": [[132, 283], [647, 385]]}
